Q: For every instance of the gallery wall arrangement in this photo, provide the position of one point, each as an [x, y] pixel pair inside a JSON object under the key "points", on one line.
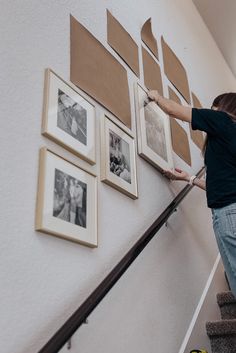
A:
{"points": [[67, 193]]}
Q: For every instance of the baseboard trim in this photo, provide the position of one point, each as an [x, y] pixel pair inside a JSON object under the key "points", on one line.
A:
{"points": [[198, 308]]}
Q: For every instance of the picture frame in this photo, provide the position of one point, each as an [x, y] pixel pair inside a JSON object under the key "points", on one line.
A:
{"points": [[69, 117], [66, 200], [118, 158], [153, 131]]}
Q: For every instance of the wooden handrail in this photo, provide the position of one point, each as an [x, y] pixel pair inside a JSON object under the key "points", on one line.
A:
{"points": [[79, 317]]}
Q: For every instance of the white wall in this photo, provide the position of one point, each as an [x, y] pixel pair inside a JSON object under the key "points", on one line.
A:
{"points": [[43, 278]]}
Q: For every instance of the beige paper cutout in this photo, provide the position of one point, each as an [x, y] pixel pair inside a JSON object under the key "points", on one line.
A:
{"points": [[197, 135], [180, 142], [152, 72], [175, 71], [98, 73], [121, 41], [148, 37], [196, 101]]}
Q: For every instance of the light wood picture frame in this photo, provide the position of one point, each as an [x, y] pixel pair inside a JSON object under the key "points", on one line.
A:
{"points": [[153, 130], [118, 158], [69, 117], [66, 200]]}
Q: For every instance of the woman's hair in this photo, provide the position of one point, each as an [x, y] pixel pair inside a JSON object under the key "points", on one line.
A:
{"points": [[225, 102]]}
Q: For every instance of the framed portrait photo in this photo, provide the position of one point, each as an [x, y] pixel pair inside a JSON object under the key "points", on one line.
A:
{"points": [[68, 117], [118, 163], [153, 128], [66, 200]]}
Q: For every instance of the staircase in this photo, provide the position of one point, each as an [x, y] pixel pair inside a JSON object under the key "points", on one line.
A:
{"points": [[222, 333]]}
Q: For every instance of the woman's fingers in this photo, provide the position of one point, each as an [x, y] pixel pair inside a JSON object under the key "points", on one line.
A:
{"points": [[178, 170], [169, 174], [153, 95]]}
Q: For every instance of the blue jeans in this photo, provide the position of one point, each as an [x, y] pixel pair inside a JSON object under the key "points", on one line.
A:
{"points": [[224, 225]]}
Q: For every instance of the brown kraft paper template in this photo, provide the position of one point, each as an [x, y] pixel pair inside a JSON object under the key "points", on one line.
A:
{"points": [[180, 142], [98, 73], [120, 40], [175, 71], [148, 37], [197, 135], [152, 72]]}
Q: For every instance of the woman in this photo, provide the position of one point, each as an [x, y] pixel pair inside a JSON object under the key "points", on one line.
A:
{"points": [[219, 123]]}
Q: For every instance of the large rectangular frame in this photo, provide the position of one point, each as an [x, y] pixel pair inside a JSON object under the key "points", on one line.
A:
{"points": [[126, 178], [66, 200], [144, 149], [69, 117]]}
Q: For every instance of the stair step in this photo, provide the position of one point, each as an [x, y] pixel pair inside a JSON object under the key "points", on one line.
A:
{"points": [[227, 304], [222, 335]]}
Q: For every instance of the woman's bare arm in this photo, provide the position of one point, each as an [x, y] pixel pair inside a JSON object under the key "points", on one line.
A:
{"points": [[170, 107]]}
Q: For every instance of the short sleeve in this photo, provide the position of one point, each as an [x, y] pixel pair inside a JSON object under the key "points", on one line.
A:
{"points": [[211, 121]]}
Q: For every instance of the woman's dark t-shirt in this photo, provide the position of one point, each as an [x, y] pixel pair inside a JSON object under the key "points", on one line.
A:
{"points": [[220, 155]]}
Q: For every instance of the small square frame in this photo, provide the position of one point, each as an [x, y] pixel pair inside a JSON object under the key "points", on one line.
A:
{"points": [[118, 157]]}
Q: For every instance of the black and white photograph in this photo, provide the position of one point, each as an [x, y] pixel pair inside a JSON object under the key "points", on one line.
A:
{"points": [[155, 132], [69, 203], [69, 117], [66, 200], [153, 128], [119, 157]]}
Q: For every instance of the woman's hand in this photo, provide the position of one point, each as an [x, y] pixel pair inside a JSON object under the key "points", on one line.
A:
{"points": [[153, 95], [176, 174]]}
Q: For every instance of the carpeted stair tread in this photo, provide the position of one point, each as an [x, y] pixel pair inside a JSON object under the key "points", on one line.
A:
{"points": [[225, 298], [222, 335], [221, 328], [227, 304]]}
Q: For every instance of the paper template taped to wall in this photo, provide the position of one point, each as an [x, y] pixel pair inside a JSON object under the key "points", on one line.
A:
{"points": [[152, 72], [148, 37], [175, 71], [120, 40], [196, 101], [196, 135], [180, 142], [98, 73]]}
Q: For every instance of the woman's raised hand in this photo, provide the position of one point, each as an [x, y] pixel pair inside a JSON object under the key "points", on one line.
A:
{"points": [[153, 95]]}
